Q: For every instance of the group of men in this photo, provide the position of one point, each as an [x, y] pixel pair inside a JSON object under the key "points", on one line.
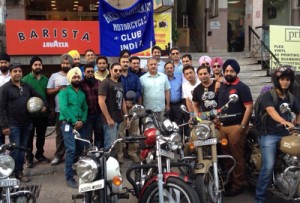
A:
{"points": [[93, 99]]}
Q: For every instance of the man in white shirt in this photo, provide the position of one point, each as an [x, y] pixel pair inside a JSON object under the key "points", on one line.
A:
{"points": [[189, 86]]}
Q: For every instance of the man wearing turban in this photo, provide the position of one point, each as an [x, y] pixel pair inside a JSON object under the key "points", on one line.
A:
{"points": [[73, 115], [234, 128]]}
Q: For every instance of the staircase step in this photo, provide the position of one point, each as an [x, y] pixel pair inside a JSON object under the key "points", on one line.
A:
{"points": [[256, 80], [251, 74]]}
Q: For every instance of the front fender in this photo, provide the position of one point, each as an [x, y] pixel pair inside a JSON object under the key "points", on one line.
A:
{"points": [[203, 166], [166, 176]]}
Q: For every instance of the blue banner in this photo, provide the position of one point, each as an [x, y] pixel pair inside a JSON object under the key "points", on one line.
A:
{"points": [[130, 28]]}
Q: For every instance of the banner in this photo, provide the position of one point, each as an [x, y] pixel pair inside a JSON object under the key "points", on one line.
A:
{"points": [[163, 34], [28, 37], [130, 28], [284, 43]]}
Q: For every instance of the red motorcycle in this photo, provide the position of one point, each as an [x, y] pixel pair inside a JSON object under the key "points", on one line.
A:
{"points": [[152, 179]]}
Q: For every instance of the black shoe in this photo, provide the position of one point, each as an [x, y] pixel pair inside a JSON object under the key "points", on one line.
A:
{"points": [[72, 183], [42, 159], [233, 192], [29, 163]]}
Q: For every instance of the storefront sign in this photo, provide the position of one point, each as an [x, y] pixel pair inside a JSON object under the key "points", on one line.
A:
{"points": [[25, 37], [284, 43]]}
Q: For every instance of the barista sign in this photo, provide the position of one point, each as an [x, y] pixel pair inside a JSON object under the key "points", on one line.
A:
{"points": [[26, 37], [284, 43]]}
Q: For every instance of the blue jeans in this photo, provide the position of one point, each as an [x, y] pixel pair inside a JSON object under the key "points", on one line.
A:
{"points": [[19, 136], [72, 146], [268, 147], [110, 134], [94, 125]]}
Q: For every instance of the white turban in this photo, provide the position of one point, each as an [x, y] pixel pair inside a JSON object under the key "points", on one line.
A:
{"points": [[72, 72]]}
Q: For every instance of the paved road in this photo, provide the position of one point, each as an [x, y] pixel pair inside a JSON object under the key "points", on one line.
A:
{"points": [[54, 187]]}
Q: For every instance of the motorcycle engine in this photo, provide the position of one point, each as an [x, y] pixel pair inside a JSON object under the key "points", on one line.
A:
{"points": [[290, 183], [256, 156]]}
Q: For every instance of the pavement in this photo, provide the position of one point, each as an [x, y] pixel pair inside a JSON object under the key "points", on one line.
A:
{"points": [[49, 150]]}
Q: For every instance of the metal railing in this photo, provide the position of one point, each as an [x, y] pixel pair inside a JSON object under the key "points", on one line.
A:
{"points": [[260, 47]]}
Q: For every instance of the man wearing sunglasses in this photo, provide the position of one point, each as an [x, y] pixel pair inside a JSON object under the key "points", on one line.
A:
{"points": [[14, 116], [89, 86], [112, 104], [175, 56], [216, 64]]}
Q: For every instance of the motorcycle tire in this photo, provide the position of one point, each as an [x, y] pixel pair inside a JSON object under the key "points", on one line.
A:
{"points": [[205, 188], [174, 188]]}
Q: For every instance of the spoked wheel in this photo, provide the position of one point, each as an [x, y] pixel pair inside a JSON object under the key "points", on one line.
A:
{"points": [[206, 188], [175, 191]]}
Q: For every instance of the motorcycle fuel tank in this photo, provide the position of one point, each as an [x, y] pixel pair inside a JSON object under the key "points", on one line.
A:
{"points": [[290, 145]]}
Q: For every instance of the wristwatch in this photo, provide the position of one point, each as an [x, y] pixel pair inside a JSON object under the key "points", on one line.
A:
{"points": [[243, 126]]}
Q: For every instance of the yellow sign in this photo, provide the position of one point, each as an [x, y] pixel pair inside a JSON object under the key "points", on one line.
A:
{"points": [[163, 32], [284, 43]]}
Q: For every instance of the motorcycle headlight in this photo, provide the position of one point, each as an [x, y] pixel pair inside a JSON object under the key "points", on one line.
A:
{"points": [[175, 141], [202, 131], [7, 166], [86, 169]]}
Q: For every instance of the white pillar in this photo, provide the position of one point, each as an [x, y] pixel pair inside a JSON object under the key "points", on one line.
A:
{"points": [[2, 11], [253, 18]]}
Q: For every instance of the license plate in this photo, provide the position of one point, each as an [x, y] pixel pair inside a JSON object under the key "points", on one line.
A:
{"points": [[9, 182], [167, 154], [200, 143], [85, 187]]}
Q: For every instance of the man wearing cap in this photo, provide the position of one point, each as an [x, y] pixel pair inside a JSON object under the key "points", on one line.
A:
{"points": [[40, 120], [4, 77], [234, 128], [73, 115], [57, 82], [14, 117]]}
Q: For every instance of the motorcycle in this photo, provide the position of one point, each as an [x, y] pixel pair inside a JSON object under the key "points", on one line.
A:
{"points": [[7, 183], [286, 172], [99, 173], [153, 179], [201, 152]]}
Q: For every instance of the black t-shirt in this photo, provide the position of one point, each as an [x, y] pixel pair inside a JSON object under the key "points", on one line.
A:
{"points": [[114, 93], [245, 97], [205, 96], [272, 127]]}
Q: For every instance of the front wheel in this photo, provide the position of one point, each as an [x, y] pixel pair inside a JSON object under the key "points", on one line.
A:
{"points": [[175, 191], [206, 188]]}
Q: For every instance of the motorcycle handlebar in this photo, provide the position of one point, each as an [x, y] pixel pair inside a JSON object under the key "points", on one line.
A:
{"points": [[12, 146], [133, 139]]}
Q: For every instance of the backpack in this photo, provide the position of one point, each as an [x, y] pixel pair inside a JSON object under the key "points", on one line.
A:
{"points": [[261, 114]]}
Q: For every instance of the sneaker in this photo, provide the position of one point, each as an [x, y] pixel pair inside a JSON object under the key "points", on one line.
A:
{"points": [[29, 163], [42, 159], [72, 183], [20, 175], [55, 161]]}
